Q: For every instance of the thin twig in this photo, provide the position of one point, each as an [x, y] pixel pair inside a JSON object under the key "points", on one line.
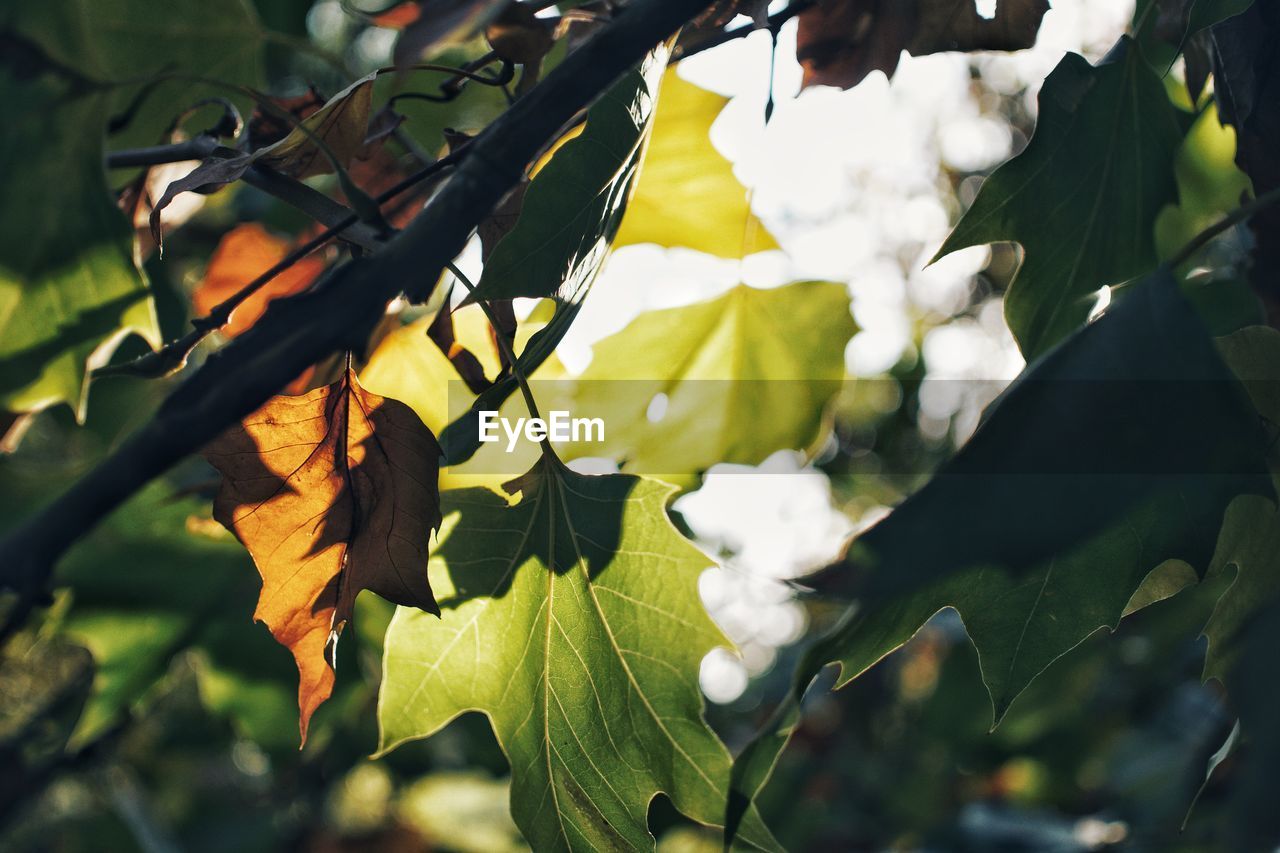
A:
{"points": [[173, 356], [719, 37]]}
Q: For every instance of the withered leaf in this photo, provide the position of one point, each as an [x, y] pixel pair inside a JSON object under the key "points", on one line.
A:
{"points": [[332, 492], [335, 132], [220, 168], [840, 42]]}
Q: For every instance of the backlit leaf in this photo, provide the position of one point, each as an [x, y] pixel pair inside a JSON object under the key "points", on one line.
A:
{"points": [[70, 288], [572, 621], [687, 194], [574, 203], [744, 375], [1082, 198], [333, 492]]}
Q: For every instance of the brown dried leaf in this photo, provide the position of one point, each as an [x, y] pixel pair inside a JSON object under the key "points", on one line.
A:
{"points": [[840, 42], [341, 126], [332, 492], [220, 168]]}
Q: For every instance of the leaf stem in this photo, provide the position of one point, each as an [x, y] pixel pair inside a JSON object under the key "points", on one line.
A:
{"points": [[504, 345]]}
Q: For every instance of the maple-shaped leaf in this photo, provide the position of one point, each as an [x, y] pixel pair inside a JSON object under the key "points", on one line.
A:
{"points": [[572, 621], [332, 492], [1083, 197], [719, 363], [687, 194]]}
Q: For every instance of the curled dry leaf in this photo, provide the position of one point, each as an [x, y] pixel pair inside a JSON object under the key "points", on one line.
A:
{"points": [[332, 492], [840, 42], [330, 135]]}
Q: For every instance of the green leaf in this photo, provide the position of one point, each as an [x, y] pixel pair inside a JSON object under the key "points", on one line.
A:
{"points": [[575, 202], [1250, 540], [723, 364], [687, 194], [129, 41], [1117, 451], [69, 287], [1209, 183], [1083, 197], [1020, 626], [158, 578], [572, 621]]}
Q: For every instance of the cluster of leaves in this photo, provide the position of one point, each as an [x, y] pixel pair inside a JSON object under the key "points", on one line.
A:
{"points": [[1125, 465]]}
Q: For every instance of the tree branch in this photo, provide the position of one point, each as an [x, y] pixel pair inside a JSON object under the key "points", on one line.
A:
{"points": [[700, 42], [341, 309]]}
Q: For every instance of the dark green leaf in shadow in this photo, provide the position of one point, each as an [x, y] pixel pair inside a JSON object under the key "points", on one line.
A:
{"points": [[1083, 197]]}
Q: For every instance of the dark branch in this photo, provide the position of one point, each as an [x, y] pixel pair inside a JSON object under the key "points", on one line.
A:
{"points": [[172, 357], [339, 312], [700, 42]]}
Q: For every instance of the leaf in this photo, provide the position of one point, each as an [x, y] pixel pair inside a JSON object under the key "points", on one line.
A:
{"points": [[572, 621], [70, 287], [337, 130], [1165, 30], [1250, 540], [1115, 452], [687, 194], [244, 253], [1209, 184], [410, 367], [332, 492], [437, 23], [518, 35], [574, 203], [1103, 152], [223, 166], [137, 41], [745, 374], [1247, 93], [1020, 625], [324, 141], [840, 42]]}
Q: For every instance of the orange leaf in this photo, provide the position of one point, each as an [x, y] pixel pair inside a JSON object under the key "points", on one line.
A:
{"points": [[400, 16], [332, 492], [243, 254]]}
